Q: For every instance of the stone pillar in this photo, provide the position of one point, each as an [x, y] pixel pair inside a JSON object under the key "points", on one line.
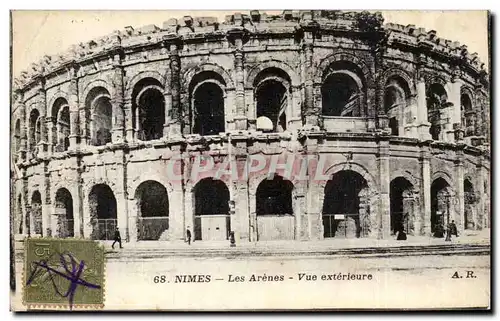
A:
{"points": [[77, 210], [132, 219], [425, 191], [423, 122], [189, 210], [455, 113], [175, 111], [310, 111], [240, 115], [129, 125], [74, 114], [177, 224], [241, 200], [168, 107], [24, 138], [121, 195], [385, 188], [301, 218], [411, 118], [84, 123], [42, 145], [118, 101], [52, 141], [459, 190]]}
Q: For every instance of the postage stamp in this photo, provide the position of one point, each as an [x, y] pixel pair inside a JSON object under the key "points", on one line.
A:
{"points": [[63, 273]]}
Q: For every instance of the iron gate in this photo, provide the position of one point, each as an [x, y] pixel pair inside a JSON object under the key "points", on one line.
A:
{"points": [[350, 225], [105, 228], [151, 228]]}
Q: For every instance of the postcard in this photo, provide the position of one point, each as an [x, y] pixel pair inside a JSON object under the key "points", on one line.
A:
{"points": [[250, 161]]}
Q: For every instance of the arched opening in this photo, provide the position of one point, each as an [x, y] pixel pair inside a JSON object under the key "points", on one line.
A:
{"points": [[211, 210], [64, 211], [152, 205], [440, 206], [17, 139], [470, 205], [340, 96], [35, 130], [402, 212], [272, 88], [61, 125], [395, 102], [36, 214], [99, 105], [207, 104], [468, 115], [148, 106], [345, 206], [274, 209], [103, 217], [436, 103], [18, 221]]}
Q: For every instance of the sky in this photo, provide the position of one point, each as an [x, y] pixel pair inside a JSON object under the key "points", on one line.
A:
{"points": [[39, 33]]}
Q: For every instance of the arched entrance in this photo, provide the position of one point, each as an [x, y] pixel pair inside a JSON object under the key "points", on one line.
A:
{"points": [[211, 209], [470, 205], [275, 219], [152, 206], [36, 214], [436, 109], [440, 206], [207, 103], [100, 116], [272, 88], [401, 206], [64, 211], [103, 218], [148, 105], [345, 207]]}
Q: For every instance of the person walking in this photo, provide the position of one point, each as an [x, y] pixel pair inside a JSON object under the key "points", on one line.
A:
{"points": [[188, 236], [453, 228], [117, 238]]}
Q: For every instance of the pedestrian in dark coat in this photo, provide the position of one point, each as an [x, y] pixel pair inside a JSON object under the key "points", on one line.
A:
{"points": [[117, 238], [453, 228], [188, 236], [401, 235]]}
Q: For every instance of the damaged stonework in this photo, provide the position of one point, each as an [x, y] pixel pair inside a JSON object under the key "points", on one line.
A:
{"points": [[119, 132]]}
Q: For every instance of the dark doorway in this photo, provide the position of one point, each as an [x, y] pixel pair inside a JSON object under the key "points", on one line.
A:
{"points": [[401, 205], [272, 101], [469, 202], [211, 210], [440, 206], [274, 209], [152, 203], [103, 217], [208, 109], [345, 212], [36, 213], [340, 96], [64, 209]]}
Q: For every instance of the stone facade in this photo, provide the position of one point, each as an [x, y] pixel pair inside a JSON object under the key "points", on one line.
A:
{"points": [[402, 114]]}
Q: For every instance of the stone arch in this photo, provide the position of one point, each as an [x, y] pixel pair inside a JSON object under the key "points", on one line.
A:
{"points": [[444, 175], [355, 167], [391, 72], [152, 208], [261, 66], [57, 96], [442, 196], [207, 103], [191, 73], [148, 108], [61, 124], [64, 209], [402, 205], [36, 202], [151, 176], [95, 84], [131, 84], [406, 175], [102, 204], [323, 69]]}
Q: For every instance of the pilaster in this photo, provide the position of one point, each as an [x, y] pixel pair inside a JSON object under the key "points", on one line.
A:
{"points": [[425, 190], [385, 188]]}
